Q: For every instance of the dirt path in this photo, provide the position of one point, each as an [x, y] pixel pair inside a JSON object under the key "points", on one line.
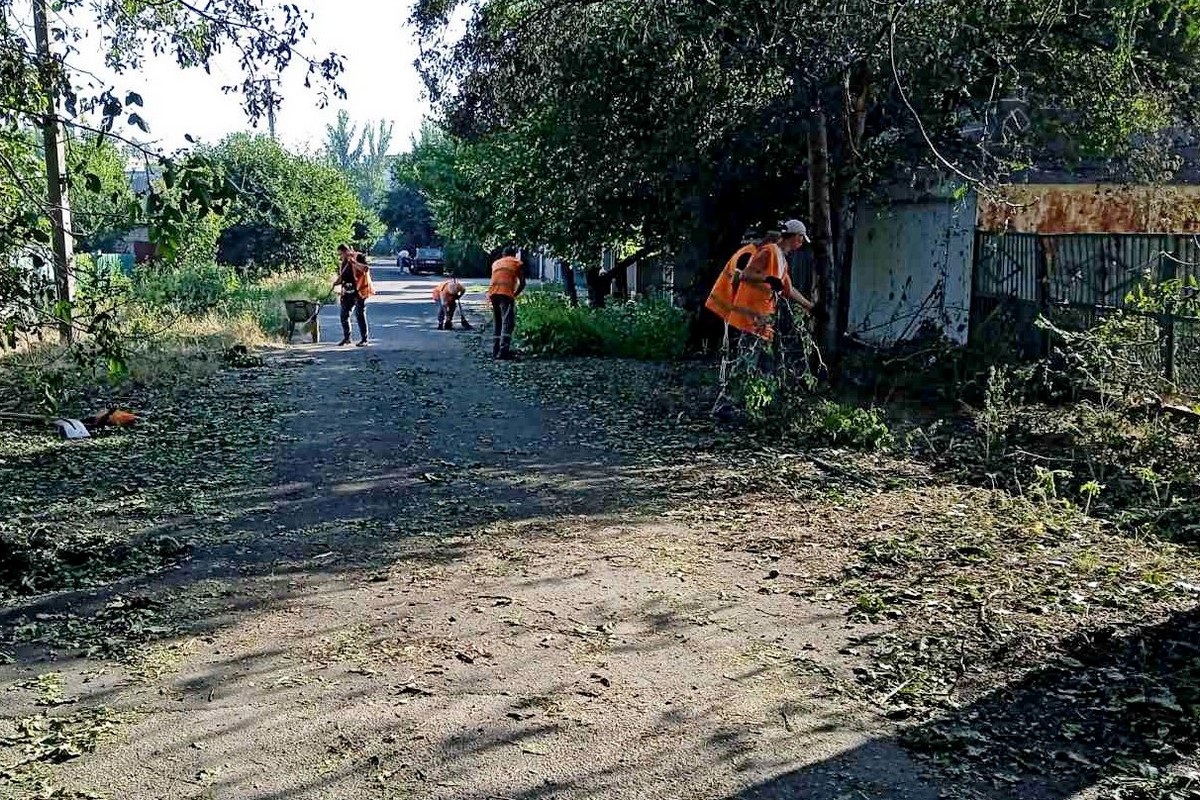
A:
{"points": [[445, 591]]}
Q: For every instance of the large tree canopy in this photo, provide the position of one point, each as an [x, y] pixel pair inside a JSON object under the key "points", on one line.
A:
{"points": [[672, 123], [103, 205], [290, 211], [264, 40]]}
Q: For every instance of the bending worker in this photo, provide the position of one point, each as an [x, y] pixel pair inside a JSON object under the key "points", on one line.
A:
{"points": [[508, 281], [766, 275], [447, 295], [720, 299]]}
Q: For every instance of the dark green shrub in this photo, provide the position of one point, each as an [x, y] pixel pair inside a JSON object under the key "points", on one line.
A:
{"points": [[649, 330]]}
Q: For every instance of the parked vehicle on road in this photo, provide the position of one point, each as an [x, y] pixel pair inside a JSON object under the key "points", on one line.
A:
{"points": [[430, 260]]}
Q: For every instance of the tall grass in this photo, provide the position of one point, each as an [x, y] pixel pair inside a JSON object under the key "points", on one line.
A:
{"points": [[648, 330], [213, 298], [167, 325]]}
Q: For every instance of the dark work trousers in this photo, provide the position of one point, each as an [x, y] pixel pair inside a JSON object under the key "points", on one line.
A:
{"points": [[504, 314], [446, 309], [353, 301]]}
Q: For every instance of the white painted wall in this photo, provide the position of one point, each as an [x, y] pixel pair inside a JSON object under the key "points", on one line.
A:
{"points": [[912, 264]]}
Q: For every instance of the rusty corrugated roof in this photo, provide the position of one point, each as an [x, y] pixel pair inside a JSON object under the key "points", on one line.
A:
{"points": [[1092, 208]]}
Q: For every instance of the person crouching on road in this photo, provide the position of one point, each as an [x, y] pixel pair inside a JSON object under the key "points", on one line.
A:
{"points": [[447, 295], [508, 281], [354, 282]]}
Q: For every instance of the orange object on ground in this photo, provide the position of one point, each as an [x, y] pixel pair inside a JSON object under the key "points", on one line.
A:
{"points": [[506, 277], [720, 299], [754, 301], [113, 416]]}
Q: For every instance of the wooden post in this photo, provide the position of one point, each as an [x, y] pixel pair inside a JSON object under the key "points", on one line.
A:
{"points": [[1167, 319], [1042, 265], [56, 179]]}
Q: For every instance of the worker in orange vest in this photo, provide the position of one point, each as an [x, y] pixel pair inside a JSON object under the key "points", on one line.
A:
{"points": [[720, 299], [765, 278], [354, 282], [447, 295], [508, 281]]}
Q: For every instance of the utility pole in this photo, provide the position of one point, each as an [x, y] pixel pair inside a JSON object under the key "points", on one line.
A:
{"points": [[271, 107], [56, 178]]}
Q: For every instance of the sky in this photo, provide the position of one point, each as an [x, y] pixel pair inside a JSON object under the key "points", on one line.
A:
{"points": [[371, 35]]}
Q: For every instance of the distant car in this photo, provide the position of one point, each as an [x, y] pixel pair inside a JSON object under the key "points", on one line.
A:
{"points": [[429, 259]]}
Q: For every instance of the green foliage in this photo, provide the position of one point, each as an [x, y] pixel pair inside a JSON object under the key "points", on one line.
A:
{"points": [[197, 290], [1114, 359], [448, 172], [103, 206], [1178, 296], [1075, 430], [759, 395], [667, 122], [262, 300], [405, 211], [290, 211], [467, 260], [191, 289], [360, 155], [646, 330], [265, 39], [367, 229], [844, 425]]}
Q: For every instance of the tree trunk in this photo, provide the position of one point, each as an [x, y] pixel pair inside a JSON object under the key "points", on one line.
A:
{"points": [[620, 282], [568, 276], [843, 259], [597, 286], [54, 140], [827, 291]]}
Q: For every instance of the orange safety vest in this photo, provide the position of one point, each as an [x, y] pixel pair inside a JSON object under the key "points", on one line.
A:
{"points": [[362, 281], [362, 275], [443, 289], [754, 302], [720, 299], [506, 277]]}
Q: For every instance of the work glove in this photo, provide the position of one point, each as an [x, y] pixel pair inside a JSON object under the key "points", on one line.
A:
{"points": [[775, 284]]}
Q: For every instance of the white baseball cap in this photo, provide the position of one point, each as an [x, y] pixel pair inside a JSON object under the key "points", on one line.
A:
{"points": [[794, 227]]}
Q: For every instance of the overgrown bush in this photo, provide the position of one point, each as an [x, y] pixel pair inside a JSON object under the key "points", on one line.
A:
{"points": [[291, 211], [851, 426], [188, 290], [1080, 428], [649, 330], [826, 422]]}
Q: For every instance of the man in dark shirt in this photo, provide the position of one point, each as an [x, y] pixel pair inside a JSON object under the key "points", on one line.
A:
{"points": [[353, 278]]}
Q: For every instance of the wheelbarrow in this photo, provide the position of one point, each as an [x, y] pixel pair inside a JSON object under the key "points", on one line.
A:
{"points": [[303, 313]]}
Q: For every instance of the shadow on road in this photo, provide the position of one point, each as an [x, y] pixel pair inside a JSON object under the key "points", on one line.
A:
{"points": [[405, 457]]}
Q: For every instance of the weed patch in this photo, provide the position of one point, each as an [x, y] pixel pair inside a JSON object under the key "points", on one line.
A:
{"points": [[650, 330]]}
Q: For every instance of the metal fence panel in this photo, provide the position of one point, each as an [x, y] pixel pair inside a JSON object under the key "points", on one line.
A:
{"points": [[1077, 279]]}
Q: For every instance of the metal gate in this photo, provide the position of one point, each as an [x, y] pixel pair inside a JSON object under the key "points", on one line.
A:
{"points": [[1076, 279]]}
